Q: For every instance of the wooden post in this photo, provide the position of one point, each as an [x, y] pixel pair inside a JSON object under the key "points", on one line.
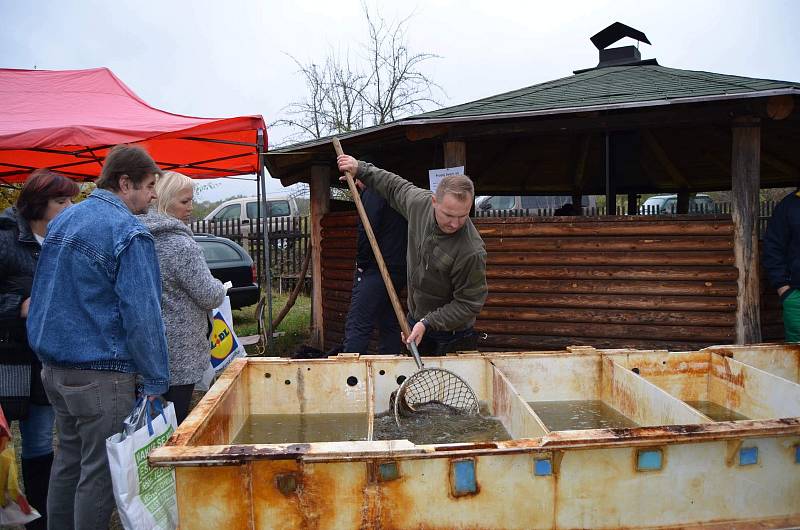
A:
{"points": [[320, 190], [455, 154], [632, 206], [611, 195], [580, 174], [682, 204], [746, 178]]}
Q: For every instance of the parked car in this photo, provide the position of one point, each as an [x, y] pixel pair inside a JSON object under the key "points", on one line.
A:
{"points": [[281, 211], [229, 262], [517, 202], [700, 203]]}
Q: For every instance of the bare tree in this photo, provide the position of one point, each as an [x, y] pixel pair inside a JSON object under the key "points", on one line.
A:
{"points": [[397, 86], [384, 84]]}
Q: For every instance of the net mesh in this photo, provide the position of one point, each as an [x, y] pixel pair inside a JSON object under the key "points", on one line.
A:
{"points": [[434, 386]]}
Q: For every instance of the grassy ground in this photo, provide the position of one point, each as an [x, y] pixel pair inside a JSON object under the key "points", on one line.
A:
{"points": [[294, 329]]}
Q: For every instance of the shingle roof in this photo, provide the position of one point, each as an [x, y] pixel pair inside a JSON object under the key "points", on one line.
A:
{"points": [[609, 86], [601, 87]]}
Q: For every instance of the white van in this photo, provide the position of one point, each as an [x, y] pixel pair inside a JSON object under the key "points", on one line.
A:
{"points": [[280, 211], [668, 204]]}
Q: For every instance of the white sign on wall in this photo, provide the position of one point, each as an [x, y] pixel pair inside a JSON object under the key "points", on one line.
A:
{"points": [[436, 175]]}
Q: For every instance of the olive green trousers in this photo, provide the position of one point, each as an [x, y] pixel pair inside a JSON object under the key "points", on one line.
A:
{"points": [[791, 316]]}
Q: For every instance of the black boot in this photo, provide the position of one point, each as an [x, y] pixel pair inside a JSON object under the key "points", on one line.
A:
{"points": [[36, 477]]}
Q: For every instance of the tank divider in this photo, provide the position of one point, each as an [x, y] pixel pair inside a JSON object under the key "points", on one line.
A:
{"points": [[514, 412], [751, 391], [370, 401], [642, 401]]}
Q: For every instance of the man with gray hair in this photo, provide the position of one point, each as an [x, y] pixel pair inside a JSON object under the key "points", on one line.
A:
{"points": [[95, 323], [446, 256]]}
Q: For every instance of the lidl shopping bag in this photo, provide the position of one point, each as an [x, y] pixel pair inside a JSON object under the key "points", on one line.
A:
{"points": [[225, 345], [145, 495]]}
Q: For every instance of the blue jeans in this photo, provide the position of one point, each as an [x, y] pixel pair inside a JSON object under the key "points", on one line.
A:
{"points": [[37, 431]]}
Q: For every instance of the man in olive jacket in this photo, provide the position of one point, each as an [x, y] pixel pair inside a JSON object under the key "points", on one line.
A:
{"points": [[446, 256]]}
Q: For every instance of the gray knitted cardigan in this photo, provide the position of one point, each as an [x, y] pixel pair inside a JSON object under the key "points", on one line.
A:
{"points": [[189, 291]]}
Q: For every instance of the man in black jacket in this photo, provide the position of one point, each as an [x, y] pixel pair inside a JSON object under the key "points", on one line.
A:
{"points": [[369, 303], [781, 260]]}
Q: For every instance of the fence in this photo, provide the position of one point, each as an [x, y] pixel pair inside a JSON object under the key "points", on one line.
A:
{"points": [[723, 208], [289, 240]]}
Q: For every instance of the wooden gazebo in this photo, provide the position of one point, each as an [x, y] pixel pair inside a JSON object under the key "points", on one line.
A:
{"points": [[625, 127]]}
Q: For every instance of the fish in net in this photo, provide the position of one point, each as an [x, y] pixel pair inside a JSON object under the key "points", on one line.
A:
{"points": [[433, 388]]}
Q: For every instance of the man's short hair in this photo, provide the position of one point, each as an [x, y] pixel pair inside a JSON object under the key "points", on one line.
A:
{"points": [[460, 186], [130, 160]]}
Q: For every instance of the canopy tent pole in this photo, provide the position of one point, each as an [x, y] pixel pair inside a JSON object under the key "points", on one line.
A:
{"points": [[265, 229]]}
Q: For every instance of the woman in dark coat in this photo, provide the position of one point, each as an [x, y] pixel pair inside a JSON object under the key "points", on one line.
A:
{"points": [[22, 231]]}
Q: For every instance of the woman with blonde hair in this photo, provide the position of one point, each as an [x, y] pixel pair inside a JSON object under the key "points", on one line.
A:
{"points": [[189, 290]]}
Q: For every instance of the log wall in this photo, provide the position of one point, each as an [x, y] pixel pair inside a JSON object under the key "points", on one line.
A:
{"points": [[666, 282]]}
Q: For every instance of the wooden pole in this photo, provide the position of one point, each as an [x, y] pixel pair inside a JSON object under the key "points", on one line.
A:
{"points": [[746, 177], [455, 154], [320, 186], [682, 204], [580, 175], [611, 196], [632, 204], [398, 309]]}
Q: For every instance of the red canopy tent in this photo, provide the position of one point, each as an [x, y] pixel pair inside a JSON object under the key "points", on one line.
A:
{"points": [[67, 120]]}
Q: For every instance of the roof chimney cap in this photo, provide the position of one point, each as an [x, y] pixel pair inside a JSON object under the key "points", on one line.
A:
{"points": [[615, 32], [621, 55]]}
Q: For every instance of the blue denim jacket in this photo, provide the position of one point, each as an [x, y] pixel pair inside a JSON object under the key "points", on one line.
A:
{"points": [[96, 298]]}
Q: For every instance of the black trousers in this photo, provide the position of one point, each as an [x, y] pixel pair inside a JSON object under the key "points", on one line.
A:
{"points": [[181, 396], [370, 308], [437, 343]]}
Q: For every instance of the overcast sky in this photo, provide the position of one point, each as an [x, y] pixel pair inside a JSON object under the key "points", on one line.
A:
{"points": [[220, 59]]}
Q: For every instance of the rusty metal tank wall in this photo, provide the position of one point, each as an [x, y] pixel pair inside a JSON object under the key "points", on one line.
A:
{"points": [[678, 469]]}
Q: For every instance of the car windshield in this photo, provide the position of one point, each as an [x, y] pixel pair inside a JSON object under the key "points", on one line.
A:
{"points": [[218, 251], [234, 211], [274, 209], [498, 202], [654, 201]]}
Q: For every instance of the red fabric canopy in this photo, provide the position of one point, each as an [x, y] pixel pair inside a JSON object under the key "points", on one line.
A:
{"points": [[67, 121]]}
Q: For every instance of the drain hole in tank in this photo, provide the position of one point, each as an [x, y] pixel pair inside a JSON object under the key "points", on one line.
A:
{"points": [[267, 375], [400, 379], [352, 380], [382, 372], [635, 370], [287, 382]]}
